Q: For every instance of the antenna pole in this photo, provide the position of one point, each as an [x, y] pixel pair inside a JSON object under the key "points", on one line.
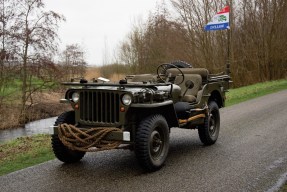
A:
{"points": [[228, 60], [228, 53]]}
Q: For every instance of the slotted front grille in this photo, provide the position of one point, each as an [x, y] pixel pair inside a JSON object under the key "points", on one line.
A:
{"points": [[99, 107]]}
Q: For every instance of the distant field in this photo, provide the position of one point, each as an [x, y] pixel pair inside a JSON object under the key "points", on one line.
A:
{"points": [[14, 86], [94, 72]]}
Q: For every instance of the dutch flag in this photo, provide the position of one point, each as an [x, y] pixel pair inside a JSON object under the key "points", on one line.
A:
{"points": [[220, 21]]}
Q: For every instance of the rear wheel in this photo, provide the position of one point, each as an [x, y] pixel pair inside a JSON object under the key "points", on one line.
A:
{"points": [[152, 142], [62, 152], [208, 133]]}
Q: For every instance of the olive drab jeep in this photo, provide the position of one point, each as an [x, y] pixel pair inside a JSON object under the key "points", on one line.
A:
{"points": [[138, 112]]}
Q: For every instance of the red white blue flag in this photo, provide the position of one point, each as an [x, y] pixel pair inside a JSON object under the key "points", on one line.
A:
{"points": [[220, 21]]}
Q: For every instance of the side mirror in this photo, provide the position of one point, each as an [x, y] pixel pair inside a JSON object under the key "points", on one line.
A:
{"points": [[189, 84]]}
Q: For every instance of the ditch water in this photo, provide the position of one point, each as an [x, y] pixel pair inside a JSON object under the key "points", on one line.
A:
{"points": [[32, 128]]}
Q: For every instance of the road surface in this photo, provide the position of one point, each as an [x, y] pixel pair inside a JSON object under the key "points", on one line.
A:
{"points": [[250, 155]]}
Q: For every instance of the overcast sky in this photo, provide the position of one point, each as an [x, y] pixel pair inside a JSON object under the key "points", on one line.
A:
{"points": [[99, 25]]}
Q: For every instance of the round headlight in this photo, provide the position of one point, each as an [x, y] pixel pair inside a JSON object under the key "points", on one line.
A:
{"points": [[126, 99], [75, 97]]}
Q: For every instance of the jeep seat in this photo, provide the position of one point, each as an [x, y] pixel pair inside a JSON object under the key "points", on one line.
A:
{"points": [[190, 95]]}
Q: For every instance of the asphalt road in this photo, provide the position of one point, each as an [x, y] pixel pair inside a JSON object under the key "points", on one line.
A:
{"points": [[250, 155]]}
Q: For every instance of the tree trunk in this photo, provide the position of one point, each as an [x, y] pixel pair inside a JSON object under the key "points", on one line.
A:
{"points": [[22, 118]]}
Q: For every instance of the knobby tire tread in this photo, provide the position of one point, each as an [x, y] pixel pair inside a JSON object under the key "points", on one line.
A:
{"points": [[60, 150], [144, 130], [203, 131]]}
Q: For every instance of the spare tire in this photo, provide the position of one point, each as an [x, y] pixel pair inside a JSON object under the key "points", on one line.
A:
{"points": [[181, 64]]}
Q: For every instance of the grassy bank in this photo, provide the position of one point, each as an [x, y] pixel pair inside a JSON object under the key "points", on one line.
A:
{"points": [[284, 188], [24, 152], [28, 151], [249, 92]]}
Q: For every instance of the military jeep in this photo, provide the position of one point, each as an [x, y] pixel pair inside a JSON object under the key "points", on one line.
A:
{"points": [[138, 112]]}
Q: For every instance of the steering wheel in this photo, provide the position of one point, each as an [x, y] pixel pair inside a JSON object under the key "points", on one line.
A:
{"points": [[161, 70]]}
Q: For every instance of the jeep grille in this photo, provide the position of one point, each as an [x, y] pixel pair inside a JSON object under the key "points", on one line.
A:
{"points": [[99, 107]]}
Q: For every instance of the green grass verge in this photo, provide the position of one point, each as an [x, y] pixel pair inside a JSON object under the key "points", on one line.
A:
{"points": [[24, 152], [284, 188], [28, 151], [241, 94]]}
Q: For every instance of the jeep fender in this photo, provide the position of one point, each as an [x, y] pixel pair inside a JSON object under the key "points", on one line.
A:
{"points": [[214, 92], [166, 108]]}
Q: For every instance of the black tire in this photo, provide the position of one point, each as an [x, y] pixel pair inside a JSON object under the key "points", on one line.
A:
{"points": [[208, 133], [181, 64], [152, 142], [63, 153]]}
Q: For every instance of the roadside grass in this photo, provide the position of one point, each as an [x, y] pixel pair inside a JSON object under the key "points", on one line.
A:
{"points": [[28, 151], [284, 188], [241, 94], [24, 152]]}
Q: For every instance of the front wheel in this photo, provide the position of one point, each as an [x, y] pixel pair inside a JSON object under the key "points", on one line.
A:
{"points": [[152, 142], [209, 131], [62, 152]]}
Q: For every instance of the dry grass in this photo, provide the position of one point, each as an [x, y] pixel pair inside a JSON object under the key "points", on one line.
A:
{"points": [[45, 105], [94, 72], [9, 116], [49, 96], [116, 77]]}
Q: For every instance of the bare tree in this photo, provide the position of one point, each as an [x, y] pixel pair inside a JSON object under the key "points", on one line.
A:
{"points": [[208, 49], [258, 43], [73, 59], [159, 40], [262, 44], [33, 34], [6, 53]]}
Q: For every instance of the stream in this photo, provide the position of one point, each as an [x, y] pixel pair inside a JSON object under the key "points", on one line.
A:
{"points": [[32, 128]]}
